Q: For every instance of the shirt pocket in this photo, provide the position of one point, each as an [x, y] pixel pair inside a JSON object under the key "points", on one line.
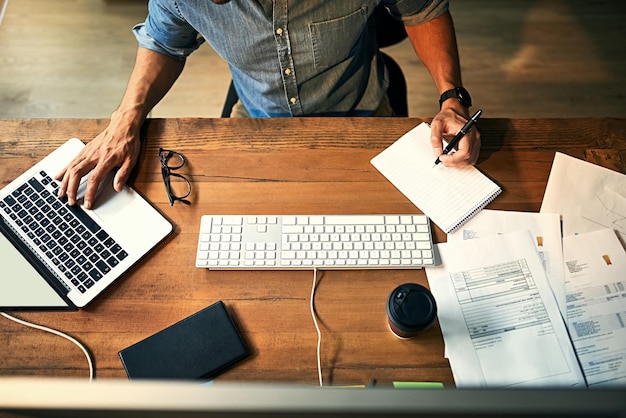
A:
{"points": [[336, 39]]}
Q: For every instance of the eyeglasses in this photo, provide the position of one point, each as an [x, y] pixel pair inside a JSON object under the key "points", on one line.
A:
{"points": [[176, 185]]}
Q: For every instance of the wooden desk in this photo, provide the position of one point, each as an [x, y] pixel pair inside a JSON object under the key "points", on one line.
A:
{"points": [[278, 166]]}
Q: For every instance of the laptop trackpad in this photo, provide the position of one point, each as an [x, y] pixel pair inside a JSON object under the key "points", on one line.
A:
{"points": [[21, 286]]}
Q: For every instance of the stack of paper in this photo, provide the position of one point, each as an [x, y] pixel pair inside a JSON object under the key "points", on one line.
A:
{"points": [[523, 306], [500, 321]]}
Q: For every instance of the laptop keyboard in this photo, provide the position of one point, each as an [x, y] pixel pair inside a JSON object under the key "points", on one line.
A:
{"points": [[66, 235], [324, 241]]}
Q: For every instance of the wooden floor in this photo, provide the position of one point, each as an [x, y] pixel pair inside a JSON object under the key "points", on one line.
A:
{"points": [[521, 59]]}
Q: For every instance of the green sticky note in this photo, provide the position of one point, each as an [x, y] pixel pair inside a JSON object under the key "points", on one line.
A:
{"points": [[418, 385]]}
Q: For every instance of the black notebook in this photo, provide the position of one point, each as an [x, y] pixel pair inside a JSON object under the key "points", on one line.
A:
{"points": [[199, 346]]}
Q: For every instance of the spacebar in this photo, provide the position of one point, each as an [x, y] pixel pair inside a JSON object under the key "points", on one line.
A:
{"points": [[84, 218], [354, 220]]}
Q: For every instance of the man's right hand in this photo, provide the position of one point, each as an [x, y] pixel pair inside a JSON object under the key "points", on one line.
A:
{"points": [[111, 149]]}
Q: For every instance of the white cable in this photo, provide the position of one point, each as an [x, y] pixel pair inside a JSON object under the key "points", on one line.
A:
{"points": [[319, 334], [55, 332]]}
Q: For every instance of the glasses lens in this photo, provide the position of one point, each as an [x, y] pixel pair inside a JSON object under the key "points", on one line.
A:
{"points": [[171, 159], [179, 186], [175, 161]]}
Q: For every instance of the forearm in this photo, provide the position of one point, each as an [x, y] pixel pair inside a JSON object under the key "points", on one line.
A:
{"points": [[151, 78], [435, 44], [118, 146]]}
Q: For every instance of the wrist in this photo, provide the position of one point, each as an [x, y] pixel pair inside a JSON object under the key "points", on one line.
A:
{"points": [[131, 118], [456, 107]]}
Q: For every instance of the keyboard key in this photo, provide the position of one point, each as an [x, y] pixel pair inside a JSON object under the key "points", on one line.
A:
{"points": [[101, 235], [113, 261], [103, 267], [9, 200], [95, 274]]}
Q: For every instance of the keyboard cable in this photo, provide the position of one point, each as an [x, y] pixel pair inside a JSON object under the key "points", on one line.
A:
{"points": [[55, 332], [317, 328]]}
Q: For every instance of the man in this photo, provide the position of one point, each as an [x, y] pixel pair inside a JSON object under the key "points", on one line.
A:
{"points": [[287, 58]]}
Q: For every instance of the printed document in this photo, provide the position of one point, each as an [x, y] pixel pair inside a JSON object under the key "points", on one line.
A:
{"points": [[596, 304], [499, 318], [545, 229], [587, 196]]}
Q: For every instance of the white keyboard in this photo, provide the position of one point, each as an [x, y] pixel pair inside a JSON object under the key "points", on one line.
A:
{"points": [[274, 242]]}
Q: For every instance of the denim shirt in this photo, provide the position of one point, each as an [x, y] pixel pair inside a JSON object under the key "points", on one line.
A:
{"points": [[287, 57]]}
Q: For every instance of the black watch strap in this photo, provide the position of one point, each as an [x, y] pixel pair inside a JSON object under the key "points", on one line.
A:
{"points": [[459, 93]]}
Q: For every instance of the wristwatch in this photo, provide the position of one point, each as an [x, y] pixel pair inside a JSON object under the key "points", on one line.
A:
{"points": [[460, 93]]}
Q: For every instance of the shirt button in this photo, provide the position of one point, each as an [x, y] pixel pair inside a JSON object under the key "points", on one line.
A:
{"points": [[288, 71], [293, 100], [279, 31]]}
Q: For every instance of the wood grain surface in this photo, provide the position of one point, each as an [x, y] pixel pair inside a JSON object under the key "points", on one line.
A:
{"points": [[272, 166]]}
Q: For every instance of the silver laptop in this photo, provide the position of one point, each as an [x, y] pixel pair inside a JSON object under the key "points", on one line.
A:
{"points": [[55, 256]]}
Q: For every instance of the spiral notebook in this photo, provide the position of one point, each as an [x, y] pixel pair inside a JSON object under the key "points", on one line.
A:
{"points": [[448, 196]]}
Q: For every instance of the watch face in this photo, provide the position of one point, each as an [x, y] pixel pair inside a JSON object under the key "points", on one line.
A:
{"points": [[463, 96]]}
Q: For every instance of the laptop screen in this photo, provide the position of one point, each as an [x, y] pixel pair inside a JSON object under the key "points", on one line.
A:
{"points": [[22, 286]]}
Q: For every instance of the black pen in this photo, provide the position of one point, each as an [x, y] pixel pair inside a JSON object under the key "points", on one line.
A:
{"points": [[460, 134]]}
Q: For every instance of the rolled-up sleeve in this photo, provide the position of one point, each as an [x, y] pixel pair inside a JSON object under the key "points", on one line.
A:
{"points": [[414, 12], [166, 32]]}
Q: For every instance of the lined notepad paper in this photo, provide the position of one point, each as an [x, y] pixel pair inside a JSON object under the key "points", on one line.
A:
{"points": [[448, 196]]}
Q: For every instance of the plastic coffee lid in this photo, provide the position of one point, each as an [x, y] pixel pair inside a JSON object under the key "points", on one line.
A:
{"points": [[411, 307]]}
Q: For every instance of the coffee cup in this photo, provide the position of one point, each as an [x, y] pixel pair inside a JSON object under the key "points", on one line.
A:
{"points": [[411, 308]]}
